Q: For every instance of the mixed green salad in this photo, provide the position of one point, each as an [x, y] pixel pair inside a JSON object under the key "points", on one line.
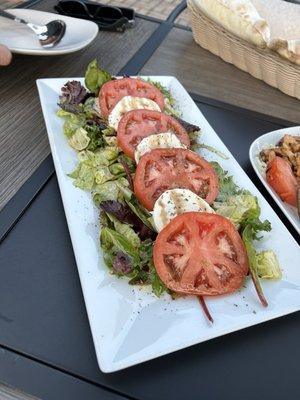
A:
{"points": [[127, 231]]}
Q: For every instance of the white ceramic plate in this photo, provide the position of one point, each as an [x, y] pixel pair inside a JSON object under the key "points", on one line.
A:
{"points": [[20, 39], [129, 324], [264, 141]]}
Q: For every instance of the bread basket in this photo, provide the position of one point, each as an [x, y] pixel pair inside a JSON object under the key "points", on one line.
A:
{"points": [[263, 64]]}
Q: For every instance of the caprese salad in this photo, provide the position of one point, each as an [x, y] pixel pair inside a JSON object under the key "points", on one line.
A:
{"points": [[169, 218]]}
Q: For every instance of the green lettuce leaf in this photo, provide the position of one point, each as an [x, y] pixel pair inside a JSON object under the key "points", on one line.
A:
{"points": [[63, 113], [89, 108], [93, 170], [123, 185], [144, 271], [96, 138], [252, 221], [165, 92], [170, 102], [237, 207], [109, 136], [72, 122], [110, 238], [117, 237], [194, 139], [105, 240], [227, 186], [102, 174], [112, 190], [107, 191], [251, 227], [84, 176], [95, 77], [170, 108], [140, 212], [109, 131], [87, 127], [157, 284], [110, 140], [125, 230], [79, 140], [106, 156], [108, 257], [116, 169], [267, 265]]}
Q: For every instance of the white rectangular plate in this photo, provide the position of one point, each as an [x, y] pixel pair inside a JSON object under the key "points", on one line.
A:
{"points": [[268, 140], [129, 324]]}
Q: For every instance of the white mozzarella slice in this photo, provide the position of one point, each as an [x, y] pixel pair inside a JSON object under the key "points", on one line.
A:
{"points": [[174, 202], [129, 103], [163, 140]]}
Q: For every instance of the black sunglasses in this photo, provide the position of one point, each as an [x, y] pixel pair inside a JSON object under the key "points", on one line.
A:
{"points": [[108, 18]]}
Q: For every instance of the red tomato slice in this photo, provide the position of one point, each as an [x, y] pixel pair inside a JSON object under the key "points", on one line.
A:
{"points": [[163, 169], [281, 178], [113, 91], [200, 254], [137, 124]]}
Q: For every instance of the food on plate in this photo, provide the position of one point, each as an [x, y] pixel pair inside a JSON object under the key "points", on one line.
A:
{"points": [[113, 91], [283, 169], [138, 124], [165, 140], [200, 254], [289, 149], [280, 177], [129, 103], [174, 202], [203, 228], [163, 169]]}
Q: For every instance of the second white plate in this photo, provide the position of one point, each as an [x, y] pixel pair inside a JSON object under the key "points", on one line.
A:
{"points": [[264, 141], [20, 39]]}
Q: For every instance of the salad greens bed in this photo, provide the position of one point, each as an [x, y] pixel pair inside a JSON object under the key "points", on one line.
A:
{"points": [[127, 233]]}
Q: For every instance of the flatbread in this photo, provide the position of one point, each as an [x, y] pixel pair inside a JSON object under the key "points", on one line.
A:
{"points": [[237, 16], [284, 22]]}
